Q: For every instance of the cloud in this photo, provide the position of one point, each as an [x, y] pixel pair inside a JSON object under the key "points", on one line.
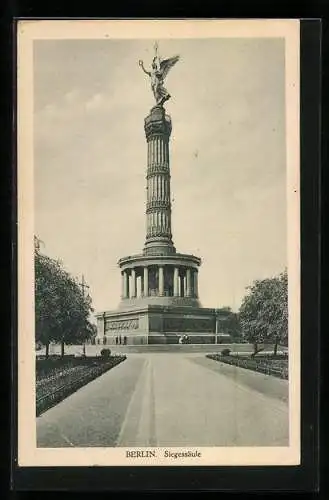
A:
{"points": [[72, 97], [95, 103]]}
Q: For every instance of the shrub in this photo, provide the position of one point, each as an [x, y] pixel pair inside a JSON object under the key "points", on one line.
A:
{"points": [[226, 352], [106, 353]]}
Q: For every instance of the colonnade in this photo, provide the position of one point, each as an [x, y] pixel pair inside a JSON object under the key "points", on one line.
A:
{"points": [[165, 280]]}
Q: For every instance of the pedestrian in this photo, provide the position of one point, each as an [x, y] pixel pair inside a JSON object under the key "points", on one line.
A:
{"points": [[125, 340], [120, 340], [116, 340]]}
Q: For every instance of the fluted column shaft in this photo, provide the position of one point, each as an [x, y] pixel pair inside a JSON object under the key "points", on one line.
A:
{"points": [[158, 188], [188, 283], [158, 206], [196, 291], [176, 282], [146, 281], [122, 285], [133, 283], [125, 284], [161, 281], [181, 286]]}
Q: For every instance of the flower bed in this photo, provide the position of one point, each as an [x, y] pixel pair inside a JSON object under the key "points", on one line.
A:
{"points": [[276, 366], [58, 379]]}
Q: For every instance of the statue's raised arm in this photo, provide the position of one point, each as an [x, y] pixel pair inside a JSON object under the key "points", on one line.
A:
{"points": [[140, 62], [158, 73]]}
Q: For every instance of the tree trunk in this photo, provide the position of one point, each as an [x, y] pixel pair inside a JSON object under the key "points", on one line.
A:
{"points": [[84, 349], [275, 348], [255, 345], [62, 348], [256, 349], [47, 350]]}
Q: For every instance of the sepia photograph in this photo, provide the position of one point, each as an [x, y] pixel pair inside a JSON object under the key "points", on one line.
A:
{"points": [[158, 242]]}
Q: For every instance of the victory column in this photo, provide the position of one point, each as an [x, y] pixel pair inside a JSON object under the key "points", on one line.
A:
{"points": [[160, 298]]}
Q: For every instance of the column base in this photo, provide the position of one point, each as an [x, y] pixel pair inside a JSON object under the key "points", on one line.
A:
{"points": [[159, 246]]}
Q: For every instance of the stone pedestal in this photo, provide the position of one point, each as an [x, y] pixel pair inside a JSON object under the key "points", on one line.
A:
{"points": [[156, 324]]}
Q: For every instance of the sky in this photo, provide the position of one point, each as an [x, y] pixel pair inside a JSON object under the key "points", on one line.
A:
{"points": [[228, 168]]}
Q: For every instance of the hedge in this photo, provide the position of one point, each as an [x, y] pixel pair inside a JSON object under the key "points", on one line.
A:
{"points": [[52, 390], [267, 365]]}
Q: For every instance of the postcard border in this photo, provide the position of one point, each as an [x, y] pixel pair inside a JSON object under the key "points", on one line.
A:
{"points": [[310, 265]]}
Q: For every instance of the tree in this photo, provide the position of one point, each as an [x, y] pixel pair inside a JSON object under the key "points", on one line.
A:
{"points": [[47, 314], [264, 312], [92, 333], [61, 309]]}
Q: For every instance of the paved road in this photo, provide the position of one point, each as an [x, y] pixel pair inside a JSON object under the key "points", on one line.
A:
{"points": [[171, 400]]}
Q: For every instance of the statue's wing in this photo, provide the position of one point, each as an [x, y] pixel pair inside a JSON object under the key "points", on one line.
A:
{"points": [[166, 64]]}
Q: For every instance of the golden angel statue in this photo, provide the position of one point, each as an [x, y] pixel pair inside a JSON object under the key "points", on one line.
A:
{"points": [[159, 70]]}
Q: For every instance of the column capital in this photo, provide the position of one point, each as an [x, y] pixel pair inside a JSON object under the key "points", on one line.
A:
{"points": [[157, 123]]}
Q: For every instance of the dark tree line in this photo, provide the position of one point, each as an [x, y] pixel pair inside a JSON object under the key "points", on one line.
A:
{"points": [[61, 309], [264, 313]]}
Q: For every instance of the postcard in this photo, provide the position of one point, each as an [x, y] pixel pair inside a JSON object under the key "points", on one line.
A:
{"points": [[158, 242]]}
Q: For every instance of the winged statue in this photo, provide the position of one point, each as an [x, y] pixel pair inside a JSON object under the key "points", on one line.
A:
{"points": [[158, 72]]}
